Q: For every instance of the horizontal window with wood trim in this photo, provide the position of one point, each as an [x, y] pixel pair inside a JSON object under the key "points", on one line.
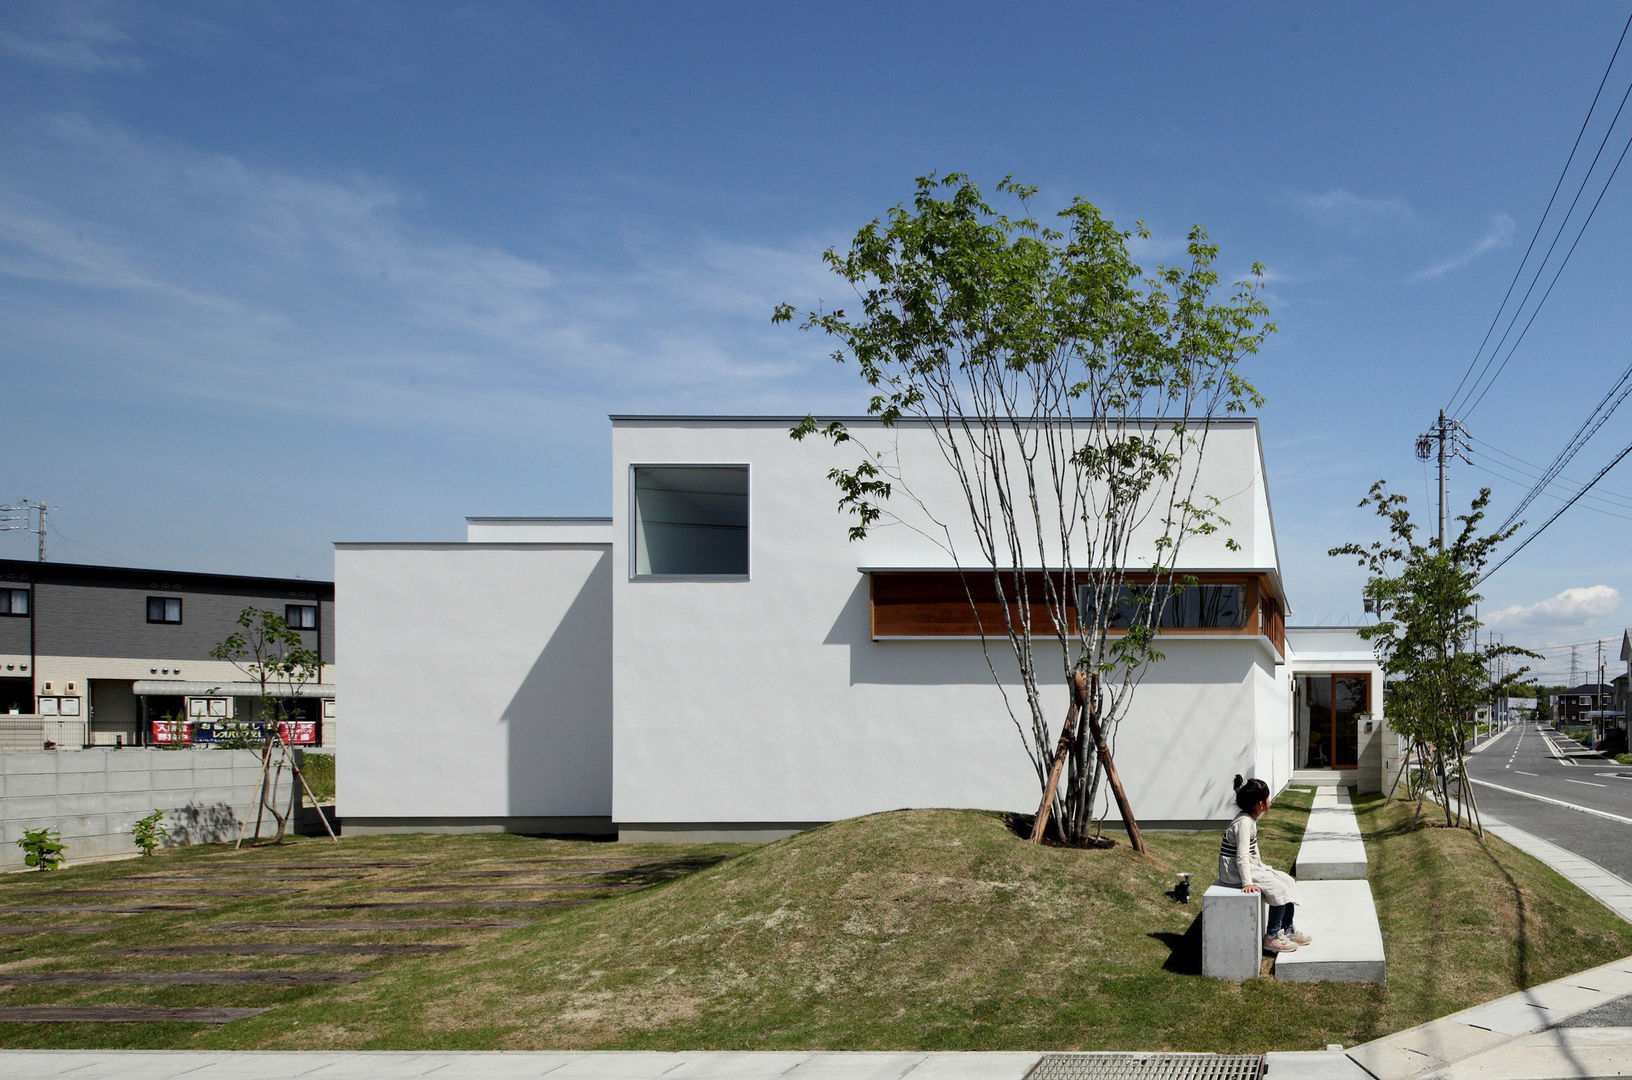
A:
{"points": [[944, 603]]}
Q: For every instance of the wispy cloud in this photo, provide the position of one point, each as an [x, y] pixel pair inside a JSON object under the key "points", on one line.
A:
{"points": [[304, 293], [1498, 235], [1570, 610], [1359, 214], [70, 36]]}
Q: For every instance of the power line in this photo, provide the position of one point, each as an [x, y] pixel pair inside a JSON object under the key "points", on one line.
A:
{"points": [[1519, 271], [1534, 472], [1616, 460], [1583, 434], [1490, 471]]}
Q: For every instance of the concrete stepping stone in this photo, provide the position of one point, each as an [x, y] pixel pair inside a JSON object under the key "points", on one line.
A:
{"points": [[369, 925], [121, 1014], [19, 931], [272, 948], [1342, 918], [74, 894], [251, 865], [427, 905], [111, 909], [182, 978], [534, 886], [1331, 848]]}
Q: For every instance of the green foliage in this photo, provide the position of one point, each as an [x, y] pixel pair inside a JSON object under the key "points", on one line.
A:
{"points": [[149, 832], [1425, 597], [41, 849], [1070, 393], [318, 769]]}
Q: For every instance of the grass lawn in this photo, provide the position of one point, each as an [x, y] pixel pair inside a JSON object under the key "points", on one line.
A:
{"points": [[933, 929]]}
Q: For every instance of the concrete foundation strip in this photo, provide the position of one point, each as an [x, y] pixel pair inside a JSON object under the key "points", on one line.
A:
{"points": [[273, 948], [121, 1014], [182, 978], [370, 925]]}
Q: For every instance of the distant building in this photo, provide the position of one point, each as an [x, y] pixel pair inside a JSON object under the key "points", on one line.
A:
{"points": [[106, 655], [1573, 705]]}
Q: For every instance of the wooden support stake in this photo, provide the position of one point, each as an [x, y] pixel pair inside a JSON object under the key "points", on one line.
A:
{"points": [[1079, 695], [1121, 796]]}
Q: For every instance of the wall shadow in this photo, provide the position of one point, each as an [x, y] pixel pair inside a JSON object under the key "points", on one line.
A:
{"points": [[559, 720]]}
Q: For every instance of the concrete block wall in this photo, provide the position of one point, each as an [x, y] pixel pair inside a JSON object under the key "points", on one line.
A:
{"points": [[91, 798]]}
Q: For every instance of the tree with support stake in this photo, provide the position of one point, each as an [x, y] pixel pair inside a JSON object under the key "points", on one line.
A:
{"points": [[272, 655], [1425, 598], [1071, 396]]}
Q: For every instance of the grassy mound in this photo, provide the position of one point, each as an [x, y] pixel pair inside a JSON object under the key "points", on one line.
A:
{"points": [[942, 929]]}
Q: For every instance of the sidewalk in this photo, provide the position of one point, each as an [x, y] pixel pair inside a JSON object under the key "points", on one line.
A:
{"points": [[1580, 1026]]}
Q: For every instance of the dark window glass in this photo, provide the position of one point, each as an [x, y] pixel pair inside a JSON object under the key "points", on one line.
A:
{"points": [[691, 520], [300, 616], [164, 609], [13, 601], [1178, 607]]}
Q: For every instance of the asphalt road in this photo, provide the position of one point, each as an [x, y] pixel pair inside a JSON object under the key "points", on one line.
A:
{"points": [[1525, 765]]}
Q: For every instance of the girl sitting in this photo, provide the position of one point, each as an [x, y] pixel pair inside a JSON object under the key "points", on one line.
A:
{"points": [[1239, 865]]}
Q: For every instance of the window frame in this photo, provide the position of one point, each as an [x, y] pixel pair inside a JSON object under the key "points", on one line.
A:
{"points": [[162, 621], [748, 520], [9, 610], [287, 608]]}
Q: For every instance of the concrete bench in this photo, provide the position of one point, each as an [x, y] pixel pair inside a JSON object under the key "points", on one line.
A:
{"points": [[1332, 849], [1232, 932]]}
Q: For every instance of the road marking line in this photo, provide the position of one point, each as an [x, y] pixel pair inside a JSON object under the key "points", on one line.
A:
{"points": [[1521, 772], [1555, 802], [1588, 783]]}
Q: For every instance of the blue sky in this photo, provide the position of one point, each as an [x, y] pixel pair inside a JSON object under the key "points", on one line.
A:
{"points": [[274, 275]]}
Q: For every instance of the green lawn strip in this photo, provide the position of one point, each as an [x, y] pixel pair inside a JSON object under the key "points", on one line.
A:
{"points": [[912, 930]]}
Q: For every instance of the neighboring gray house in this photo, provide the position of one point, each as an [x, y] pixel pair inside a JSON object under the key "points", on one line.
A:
{"points": [[105, 655]]}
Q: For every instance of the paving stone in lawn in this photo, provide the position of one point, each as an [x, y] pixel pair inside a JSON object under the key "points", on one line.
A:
{"points": [[114, 909], [371, 925], [251, 865], [422, 905], [535, 886], [17, 931], [74, 894], [121, 1014], [272, 948], [182, 978]]}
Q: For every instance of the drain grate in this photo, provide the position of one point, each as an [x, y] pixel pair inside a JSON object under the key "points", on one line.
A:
{"points": [[1148, 1067]]}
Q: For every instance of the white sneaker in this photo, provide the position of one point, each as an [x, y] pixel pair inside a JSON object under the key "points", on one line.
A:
{"points": [[1278, 944]]}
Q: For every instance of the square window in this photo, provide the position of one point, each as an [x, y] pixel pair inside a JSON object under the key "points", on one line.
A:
{"points": [[14, 602], [690, 521], [164, 609], [300, 616]]}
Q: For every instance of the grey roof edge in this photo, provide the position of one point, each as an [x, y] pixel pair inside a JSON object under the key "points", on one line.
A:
{"points": [[564, 519], [464, 545], [739, 418]]}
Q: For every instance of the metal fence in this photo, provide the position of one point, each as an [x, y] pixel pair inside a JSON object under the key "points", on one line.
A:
{"points": [[21, 732]]}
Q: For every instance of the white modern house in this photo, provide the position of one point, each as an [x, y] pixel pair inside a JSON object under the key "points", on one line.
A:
{"points": [[718, 660]]}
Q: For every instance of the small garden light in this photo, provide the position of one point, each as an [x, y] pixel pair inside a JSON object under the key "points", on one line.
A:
{"points": [[1181, 891]]}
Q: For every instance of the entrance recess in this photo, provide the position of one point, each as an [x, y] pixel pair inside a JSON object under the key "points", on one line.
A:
{"points": [[1329, 708]]}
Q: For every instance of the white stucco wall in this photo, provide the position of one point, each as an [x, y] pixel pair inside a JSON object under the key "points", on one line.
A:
{"points": [[766, 700], [478, 682], [538, 530]]}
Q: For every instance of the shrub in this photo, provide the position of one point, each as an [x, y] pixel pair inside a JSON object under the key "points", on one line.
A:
{"points": [[148, 831], [41, 850]]}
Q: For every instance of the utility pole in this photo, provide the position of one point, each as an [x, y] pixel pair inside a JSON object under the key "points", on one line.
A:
{"points": [[1447, 433], [28, 508]]}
